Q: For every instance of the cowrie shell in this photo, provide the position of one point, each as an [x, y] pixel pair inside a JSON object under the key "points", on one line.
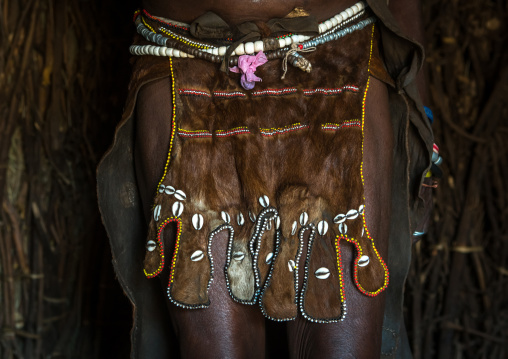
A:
{"points": [[277, 222], [197, 256], [157, 212], [293, 229], [291, 265], [252, 216], [322, 227], [268, 258], [304, 217], [339, 218], [240, 220], [177, 209], [197, 221], [269, 225], [180, 195], [264, 201], [225, 217], [352, 214], [161, 188], [363, 231], [150, 246], [343, 228], [322, 273], [361, 208], [363, 261], [238, 256], [170, 190]]}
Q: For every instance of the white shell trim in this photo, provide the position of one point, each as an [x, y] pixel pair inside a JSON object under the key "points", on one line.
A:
{"points": [[197, 256], [151, 245], [322, 227], [291, 265], [238, 256], [180, 195], [304, 218], [177, 209], [225, 217], [264, 201], [294, 227], [157, 212], [240, 220], [363, 261], [322, 273], [197, 221]]}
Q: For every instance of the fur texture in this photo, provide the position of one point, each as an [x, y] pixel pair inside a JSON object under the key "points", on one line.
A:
{"points": [[285, 162]]}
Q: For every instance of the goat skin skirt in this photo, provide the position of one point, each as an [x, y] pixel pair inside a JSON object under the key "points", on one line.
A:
{"points": [[269, 166]]}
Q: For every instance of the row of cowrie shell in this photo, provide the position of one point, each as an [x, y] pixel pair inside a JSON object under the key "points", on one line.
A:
{"points": [[322, 227], [321, 273], [351, 214], [170, 190]]}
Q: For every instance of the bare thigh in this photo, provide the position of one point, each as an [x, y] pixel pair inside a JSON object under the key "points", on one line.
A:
{"points": [[231, 330], [359, 335], [226, 329]]}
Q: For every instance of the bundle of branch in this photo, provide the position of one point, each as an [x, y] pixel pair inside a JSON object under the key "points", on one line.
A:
{"points": [[56, 117], [456, 300]]}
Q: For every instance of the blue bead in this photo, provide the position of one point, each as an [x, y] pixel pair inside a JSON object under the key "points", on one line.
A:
{"points": [[429, 114]]}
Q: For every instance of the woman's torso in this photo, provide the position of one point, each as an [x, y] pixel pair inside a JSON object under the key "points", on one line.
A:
{"points": [[235, 12]]}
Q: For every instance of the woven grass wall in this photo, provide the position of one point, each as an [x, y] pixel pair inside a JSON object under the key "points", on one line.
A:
{"points": [[63, 77], [457, 293]]}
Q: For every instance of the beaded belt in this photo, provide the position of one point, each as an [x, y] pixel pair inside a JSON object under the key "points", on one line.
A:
{"points": [[173, 39]]}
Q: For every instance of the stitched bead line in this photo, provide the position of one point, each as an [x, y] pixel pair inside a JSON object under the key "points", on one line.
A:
{"points": [[229, 256], [161, 247], [358, 248], [330, 91], [359, 255], [338, 126], [232, 132], [255, 243], [177, 243], [222, 94], [137, 13], [212, 269], [275, 92], [191, 92], [267, 132], [193, 134], [341, 279], [312, 236], [173, 124], [148, 26], [269, 279], [183, 39]]}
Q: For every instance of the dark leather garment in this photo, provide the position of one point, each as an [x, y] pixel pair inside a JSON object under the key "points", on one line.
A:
{"points": [[120, 203]]}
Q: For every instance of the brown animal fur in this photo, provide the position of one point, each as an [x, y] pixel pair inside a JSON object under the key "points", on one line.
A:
{"points": [[309, 170]]}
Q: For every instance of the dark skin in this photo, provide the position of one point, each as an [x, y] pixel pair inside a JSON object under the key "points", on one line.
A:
{"points": [[231, 330]]}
